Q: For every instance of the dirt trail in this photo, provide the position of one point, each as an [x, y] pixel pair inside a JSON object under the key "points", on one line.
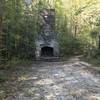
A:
{"points": [[71, 80]]}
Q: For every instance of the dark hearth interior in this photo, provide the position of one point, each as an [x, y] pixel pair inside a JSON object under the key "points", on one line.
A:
{"points": [[47, 51]]}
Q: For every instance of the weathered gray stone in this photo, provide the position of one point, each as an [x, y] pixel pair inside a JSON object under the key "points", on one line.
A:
{"points": [[46, 42]]}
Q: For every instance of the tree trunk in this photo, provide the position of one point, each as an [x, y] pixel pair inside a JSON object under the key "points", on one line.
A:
{"points": [[0, 24], [1, 13], [99, 42], [75, 30]]}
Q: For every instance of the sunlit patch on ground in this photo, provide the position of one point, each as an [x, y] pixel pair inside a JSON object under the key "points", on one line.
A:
{"points": [[50, 96], [94, 97], [44, 82], [25, 78]]}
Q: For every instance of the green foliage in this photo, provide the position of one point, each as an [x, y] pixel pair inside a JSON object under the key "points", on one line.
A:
{"points": [[70, 46], [19, 31], [3, 76], [95, 61], [76, 22]]}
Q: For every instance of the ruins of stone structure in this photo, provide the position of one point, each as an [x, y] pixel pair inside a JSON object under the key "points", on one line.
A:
{"points": [[46, 42]]}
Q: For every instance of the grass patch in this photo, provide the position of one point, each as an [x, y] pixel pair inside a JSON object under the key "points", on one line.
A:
{"points": [[94, 61], [3, 76], [15, 62]]}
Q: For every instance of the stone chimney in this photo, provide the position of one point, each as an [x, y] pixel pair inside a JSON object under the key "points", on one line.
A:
{"points": [[46, 42]]}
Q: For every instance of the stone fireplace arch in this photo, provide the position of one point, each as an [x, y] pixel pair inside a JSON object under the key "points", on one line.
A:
{"points": [[47, 51]]}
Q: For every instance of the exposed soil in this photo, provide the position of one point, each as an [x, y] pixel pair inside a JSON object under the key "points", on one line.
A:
{"points": [[68, 80]]}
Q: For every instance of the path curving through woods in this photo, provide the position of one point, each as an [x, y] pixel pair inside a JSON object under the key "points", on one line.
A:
{"points": [[68, 80]]}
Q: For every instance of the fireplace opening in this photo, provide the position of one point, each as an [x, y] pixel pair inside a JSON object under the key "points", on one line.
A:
{"points": [[47, 52]]}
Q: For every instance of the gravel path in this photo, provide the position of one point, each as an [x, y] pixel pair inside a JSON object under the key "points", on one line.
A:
{"points": [[71, 80]]}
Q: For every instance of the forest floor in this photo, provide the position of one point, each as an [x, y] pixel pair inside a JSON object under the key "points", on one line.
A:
{"points": [[67, 80]]}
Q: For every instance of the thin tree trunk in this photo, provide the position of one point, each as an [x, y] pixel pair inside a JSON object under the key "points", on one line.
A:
{"points": [[2, 10], [1, 26], [99, 42], [1, 15], [75, 30]]}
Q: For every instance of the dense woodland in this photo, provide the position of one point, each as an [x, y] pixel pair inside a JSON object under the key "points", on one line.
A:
{"points": [[77, 26]]}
